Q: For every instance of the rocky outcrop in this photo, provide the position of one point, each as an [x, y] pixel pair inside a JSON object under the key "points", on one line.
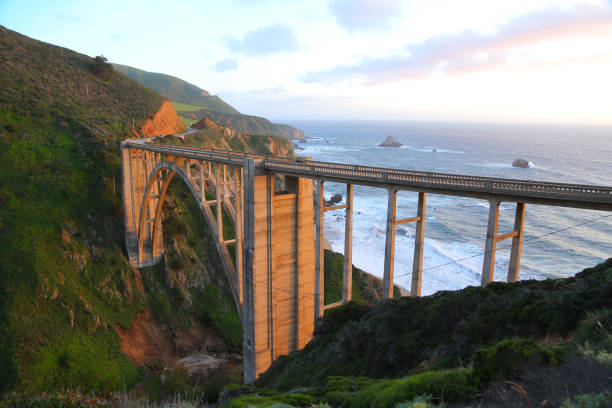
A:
{"points": [[164, 122], [148, 340], [246, 124], [522, 163], [390, 141]]}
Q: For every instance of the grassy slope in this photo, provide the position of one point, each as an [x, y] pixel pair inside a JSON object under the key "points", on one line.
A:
{"points": [[243, 123], [177, 90], [65, 280], [194, 104], [60, 224], [401, 336]]}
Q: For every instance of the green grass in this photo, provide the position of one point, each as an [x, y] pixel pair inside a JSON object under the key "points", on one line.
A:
{"points": [[178, 106], [187, 121]]}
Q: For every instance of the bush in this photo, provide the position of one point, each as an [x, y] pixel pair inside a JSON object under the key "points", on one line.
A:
{"points": [[290, 400], [449, 385], [596, 329], [603, 400], [101, 68], [508, 358], [423, 401]]}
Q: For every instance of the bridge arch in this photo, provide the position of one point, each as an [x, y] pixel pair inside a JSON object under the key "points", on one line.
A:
{"points": [[150, 236]]}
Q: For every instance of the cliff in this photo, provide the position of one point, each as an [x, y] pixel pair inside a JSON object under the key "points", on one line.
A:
{"points": [[213, 135], [164, 122], [246, 124]]}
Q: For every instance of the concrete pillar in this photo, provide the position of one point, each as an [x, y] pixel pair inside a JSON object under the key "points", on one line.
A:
{"points": [[319, 254], [419, 236], [202, 183], [488, 264], [248, 315], [219, 204], [517, 242], [238, 229], [389, 246], [347, 279]]}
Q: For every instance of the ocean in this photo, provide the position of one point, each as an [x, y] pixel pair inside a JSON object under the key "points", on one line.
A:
{"points": [[558, 242]]}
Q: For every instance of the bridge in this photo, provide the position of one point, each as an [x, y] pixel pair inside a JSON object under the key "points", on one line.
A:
{"points": [[276, 207]]}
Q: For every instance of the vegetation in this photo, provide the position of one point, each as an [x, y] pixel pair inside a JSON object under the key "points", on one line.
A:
{"points": [[246, 124], [194, 104], [66, 283], [177, 90]]}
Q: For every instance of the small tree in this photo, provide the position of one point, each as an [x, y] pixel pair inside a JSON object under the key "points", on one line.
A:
{"points": [[102, 68]]}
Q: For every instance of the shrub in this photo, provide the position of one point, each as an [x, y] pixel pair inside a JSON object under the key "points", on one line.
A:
{"points": [[509, 358], [101, 68], [422, 401], [297, 400], [596, 329], [602, 400], [454, 385]]}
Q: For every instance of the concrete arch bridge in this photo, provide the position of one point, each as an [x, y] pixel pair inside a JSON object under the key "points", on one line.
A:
{"points": [[277, 275]]}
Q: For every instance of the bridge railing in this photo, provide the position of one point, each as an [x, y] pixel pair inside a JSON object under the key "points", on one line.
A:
{"points": [[442, 180], [414, 178]]}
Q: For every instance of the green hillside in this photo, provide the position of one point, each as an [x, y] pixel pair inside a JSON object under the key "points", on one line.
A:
{"points": [[244, 123], [524, 344], [67, 287], [194, 104], [177, 90]]}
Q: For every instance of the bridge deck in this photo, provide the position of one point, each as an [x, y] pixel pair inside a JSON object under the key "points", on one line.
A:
{"points": [[515, 190]]}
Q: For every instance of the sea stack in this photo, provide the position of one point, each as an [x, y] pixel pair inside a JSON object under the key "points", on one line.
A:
{"points": [[522, 163], [390, 141]]}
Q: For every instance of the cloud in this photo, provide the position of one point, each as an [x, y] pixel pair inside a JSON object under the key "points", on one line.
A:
{"points": [[227, 64], [469, 51], [365, 15], [265, 40]]}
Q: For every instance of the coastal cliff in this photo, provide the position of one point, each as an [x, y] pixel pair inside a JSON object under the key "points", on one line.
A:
{"points": [[165, 121]]}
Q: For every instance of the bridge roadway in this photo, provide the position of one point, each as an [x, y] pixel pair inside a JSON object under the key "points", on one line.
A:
{"points": [[277, 285], [488, 188]]}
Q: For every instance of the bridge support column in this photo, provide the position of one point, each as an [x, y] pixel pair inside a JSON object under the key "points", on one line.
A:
{"points": [[319, 254], [517, 243], [347, 279], [419, 236], [219, 205], [279, 276], [488, 266], [387, 291]]}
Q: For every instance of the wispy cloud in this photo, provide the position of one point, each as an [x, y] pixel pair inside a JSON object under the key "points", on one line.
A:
{"points": [[365, 15], [227, 64], [265, 40], [469, 51]]}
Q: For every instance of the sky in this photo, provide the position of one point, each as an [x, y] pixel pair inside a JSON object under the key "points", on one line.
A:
{"points": [[525, 61]]}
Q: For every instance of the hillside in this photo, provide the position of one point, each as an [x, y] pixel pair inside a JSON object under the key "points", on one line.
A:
{"points": [[524, 344], [194, 104], [175, 89], [72, 308], [245, 123]]}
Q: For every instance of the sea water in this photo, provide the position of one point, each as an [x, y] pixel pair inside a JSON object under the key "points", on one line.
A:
{"points": [[558, 242]]}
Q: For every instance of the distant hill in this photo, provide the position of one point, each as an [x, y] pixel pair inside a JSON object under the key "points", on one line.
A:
{"points": [[244, 123], [176, 89], [194, 104]]}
